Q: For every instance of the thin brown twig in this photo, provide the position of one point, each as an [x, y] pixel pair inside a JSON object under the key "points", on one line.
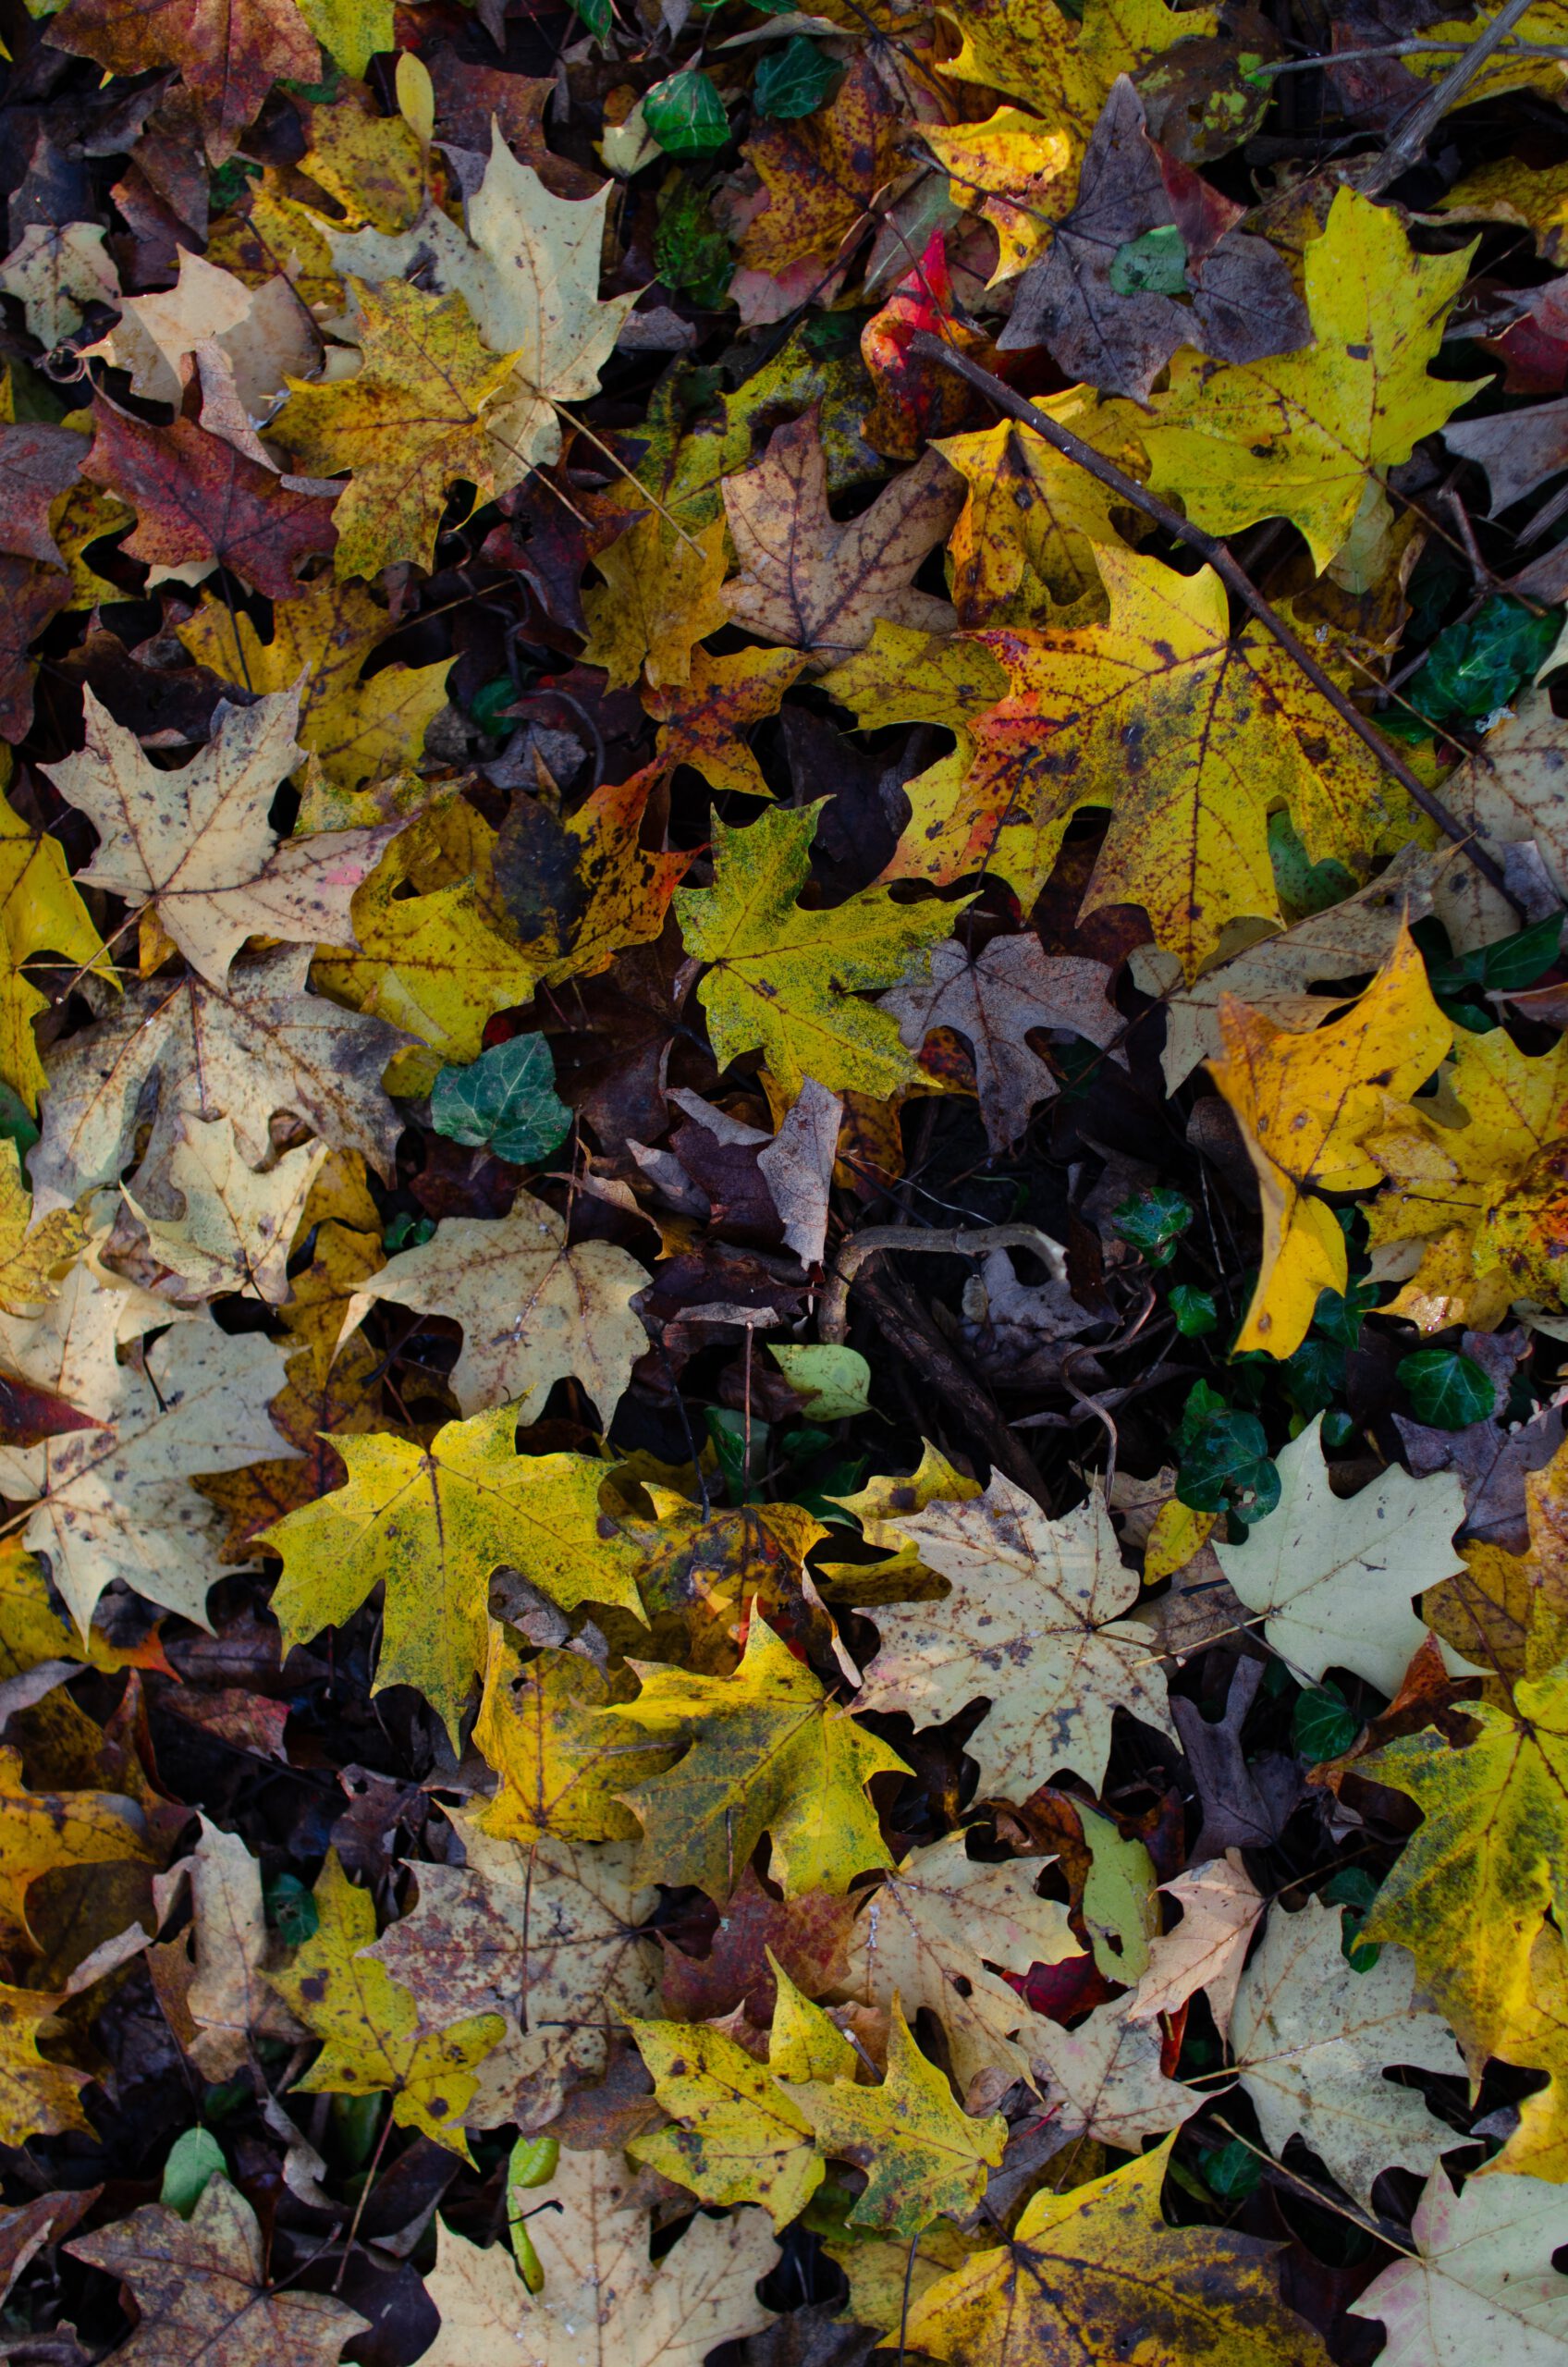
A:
{"points": [[1408, 144], [1232, 573], [1545, 50]]}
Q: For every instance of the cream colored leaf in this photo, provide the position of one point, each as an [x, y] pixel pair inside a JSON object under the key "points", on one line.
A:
{"points": [[931, 1932], [114, 1502], [546, 1936], [1103, 2079], [1481, 2283], [532, 1311], [819, 586], [258, 1044], [199, 841], [1514, 791], [1333, 1576], [1312, 2038], [529, 272], [55, 273], [604, 2302], [1030, 1623], [264, 335], [230, 2000], [155, 334], [1220, 1911], [238, 1226]]}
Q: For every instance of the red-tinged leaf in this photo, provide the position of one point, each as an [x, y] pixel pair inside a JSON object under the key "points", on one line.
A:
{"points": [[28, 1414], [197, 498], [916, 400], [1063, 1992], [228, 52], [37, 464]]}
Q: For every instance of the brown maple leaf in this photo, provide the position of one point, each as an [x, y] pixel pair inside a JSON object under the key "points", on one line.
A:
{"points": [[197, 498], [228, 52], [30, 595], [201, 2287], [820, 586]]}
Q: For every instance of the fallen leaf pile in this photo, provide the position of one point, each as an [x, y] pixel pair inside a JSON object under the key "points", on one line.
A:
{"points": [[783, 1184]]}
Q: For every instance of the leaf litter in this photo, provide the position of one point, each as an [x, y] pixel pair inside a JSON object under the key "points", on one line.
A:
{"points": [[783, 1185]]}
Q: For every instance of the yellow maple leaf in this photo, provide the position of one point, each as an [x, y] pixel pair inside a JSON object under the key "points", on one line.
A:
{"points": [[821, 173], [47, 1830], [1024, 546], [439, 962], [1307, 1105], [375, 2044], [1021, 173], [1487, 1199], [1063, 65], [1473, 1884], [360, 729], [742, 2137], [1191, 736], [561, 1765], [528, 272], [371, 165], [770, 1753], [702, 720], [431, 1525], [1518, 65], [31, 1262], [922, 2156], [412, 421], [788, 979], [33, 1629], [1508, 1612], [37, 2098], [40, 912], [660, 596], [1507, 191], [1538, 2147], [1302, 435], [1081, 2268]]}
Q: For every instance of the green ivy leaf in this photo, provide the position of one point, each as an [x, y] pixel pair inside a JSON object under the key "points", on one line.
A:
{"points": [[1227, 1464], [1153, 1222], [1323, 1724], [1202, 1400], [506, 1100], [291, 1909], [685, 114], [795, 80], [1194, 1311], [596, 15], [1304, 886], [1315, 1375], [1447, 1391], [1232, 2171], [1476, 664]]}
